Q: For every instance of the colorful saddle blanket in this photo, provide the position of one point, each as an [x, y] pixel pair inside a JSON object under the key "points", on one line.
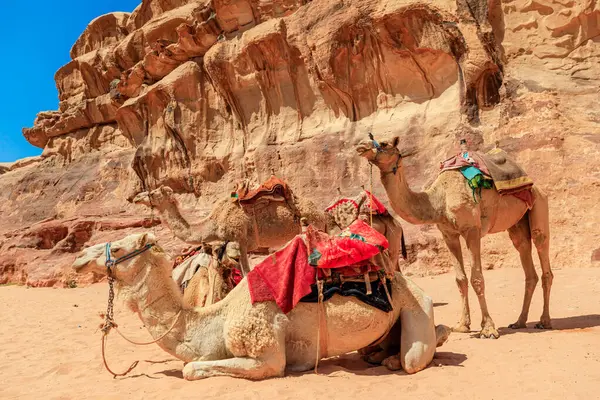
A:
{"points": [[274, 188], [378, 297], [287, 275], [495, 168]]}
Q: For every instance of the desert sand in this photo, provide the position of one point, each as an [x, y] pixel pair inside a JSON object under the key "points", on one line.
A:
{"points": [[50, 348]]}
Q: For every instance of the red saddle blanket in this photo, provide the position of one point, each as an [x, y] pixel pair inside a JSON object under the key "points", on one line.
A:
{"points": [[287, 275]]}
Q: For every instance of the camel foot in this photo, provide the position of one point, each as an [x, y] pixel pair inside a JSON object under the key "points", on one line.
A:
{"points": [[489, 332], [441, 334], [375, 358], [461, 328], [392, 363], [543, 325], [365, 351], [517, 325]]}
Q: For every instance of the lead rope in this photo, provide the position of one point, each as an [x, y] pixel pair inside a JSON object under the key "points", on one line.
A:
{"points": [[319, 306], [152, 224], [371, 193], [109, 323]]}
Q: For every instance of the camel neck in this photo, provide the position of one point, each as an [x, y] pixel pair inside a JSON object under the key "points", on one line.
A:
{"points": [[413, 207], [157, 300], [204, 231], [175, 221]]}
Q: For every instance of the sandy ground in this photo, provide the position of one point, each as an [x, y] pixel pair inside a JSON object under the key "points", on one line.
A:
{"points": [[50, 348]]}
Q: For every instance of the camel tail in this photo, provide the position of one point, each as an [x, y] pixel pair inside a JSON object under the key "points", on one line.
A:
{"points": [[403, 244]]}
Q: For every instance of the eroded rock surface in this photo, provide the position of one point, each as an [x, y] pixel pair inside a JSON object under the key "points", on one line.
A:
{"points": [[199, 94]]}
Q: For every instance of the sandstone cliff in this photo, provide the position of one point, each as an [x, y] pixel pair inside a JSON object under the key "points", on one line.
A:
{"points": [[198, 94]]}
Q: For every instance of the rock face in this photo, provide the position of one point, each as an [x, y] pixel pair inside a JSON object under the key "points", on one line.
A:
{"points": [[199, 94]]}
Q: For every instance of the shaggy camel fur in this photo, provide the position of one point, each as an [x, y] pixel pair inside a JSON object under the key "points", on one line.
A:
{"points": [[449, 204], [273, 224], [255, 341]]}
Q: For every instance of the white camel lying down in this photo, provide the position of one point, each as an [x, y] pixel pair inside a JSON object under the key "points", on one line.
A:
{"points": [[236, 338]]}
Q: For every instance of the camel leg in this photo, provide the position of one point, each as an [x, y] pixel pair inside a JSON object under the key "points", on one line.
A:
{"points": [[238, 367], [521, 237], [418, 339], [244, 259], [473, 239], [539, 222], [389, 346], [453, 243]]}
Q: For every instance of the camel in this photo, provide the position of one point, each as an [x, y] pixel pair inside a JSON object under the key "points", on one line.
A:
{"points": [[236, 338], [273, 225], [345, 214], [212, 280], [449, 204]]}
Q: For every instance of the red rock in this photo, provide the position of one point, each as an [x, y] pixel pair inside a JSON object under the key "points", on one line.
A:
{"points": [[197, 95]]}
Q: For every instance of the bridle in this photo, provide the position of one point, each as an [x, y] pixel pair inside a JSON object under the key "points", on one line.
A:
{"points": [[379, 150], [111, 263], [109, 322]]}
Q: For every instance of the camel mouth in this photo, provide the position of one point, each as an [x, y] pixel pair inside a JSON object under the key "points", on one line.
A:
{"points": [[362, 149], [141, 198], [82, 263], [79, 264]]}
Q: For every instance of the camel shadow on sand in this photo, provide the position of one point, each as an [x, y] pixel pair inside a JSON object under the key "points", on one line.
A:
{"points": [[353, 364], [347, 364], [577, 323]]}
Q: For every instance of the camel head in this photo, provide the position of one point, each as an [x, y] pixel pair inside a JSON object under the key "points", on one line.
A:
{"points": [[93, 258], [156, 198], [385, 156]]}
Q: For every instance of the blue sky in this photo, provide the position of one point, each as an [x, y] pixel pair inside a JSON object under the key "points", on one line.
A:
{"points": [[37, 36]]}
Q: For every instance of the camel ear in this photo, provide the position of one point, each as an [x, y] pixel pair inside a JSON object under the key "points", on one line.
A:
{"points": [[146, 238], [395, 141]]}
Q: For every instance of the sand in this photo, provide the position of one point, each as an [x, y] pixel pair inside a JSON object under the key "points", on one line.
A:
{"points": [[50, 348]]}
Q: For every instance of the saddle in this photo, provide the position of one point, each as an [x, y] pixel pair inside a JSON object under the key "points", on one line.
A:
{"points": [[274, 189]]}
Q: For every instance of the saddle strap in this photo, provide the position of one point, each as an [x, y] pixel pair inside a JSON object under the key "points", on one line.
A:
{"points": [[321, 327]]}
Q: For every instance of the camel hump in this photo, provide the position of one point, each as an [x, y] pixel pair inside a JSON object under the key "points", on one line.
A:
{"points": [[275, 188]]}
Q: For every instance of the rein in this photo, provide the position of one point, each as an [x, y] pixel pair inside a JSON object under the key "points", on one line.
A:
{"points": [[379, 149], [109, 321]]}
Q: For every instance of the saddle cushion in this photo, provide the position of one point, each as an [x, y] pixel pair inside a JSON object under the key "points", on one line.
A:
{"points": [[508, 177], [274, 188], [355, 244], [287, 275]]}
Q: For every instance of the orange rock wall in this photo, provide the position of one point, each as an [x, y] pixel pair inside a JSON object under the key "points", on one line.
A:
{"points": [[199, 94]]}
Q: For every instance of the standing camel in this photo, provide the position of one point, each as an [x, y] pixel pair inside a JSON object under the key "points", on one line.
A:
{"points": [[273, 224], [449, 204]]}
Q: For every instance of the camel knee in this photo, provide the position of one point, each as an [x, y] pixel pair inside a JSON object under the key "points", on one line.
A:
{"points": [[540, 238], [415, 363], [522, 245], [532, 280], [547, 278], [478, 284], [463, 285]]}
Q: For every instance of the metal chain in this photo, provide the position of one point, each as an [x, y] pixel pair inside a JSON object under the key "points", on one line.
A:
{"points": [[109, 321]]}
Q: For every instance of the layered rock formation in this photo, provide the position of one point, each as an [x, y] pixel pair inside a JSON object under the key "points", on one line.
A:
{"points": [[199, 94]]}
